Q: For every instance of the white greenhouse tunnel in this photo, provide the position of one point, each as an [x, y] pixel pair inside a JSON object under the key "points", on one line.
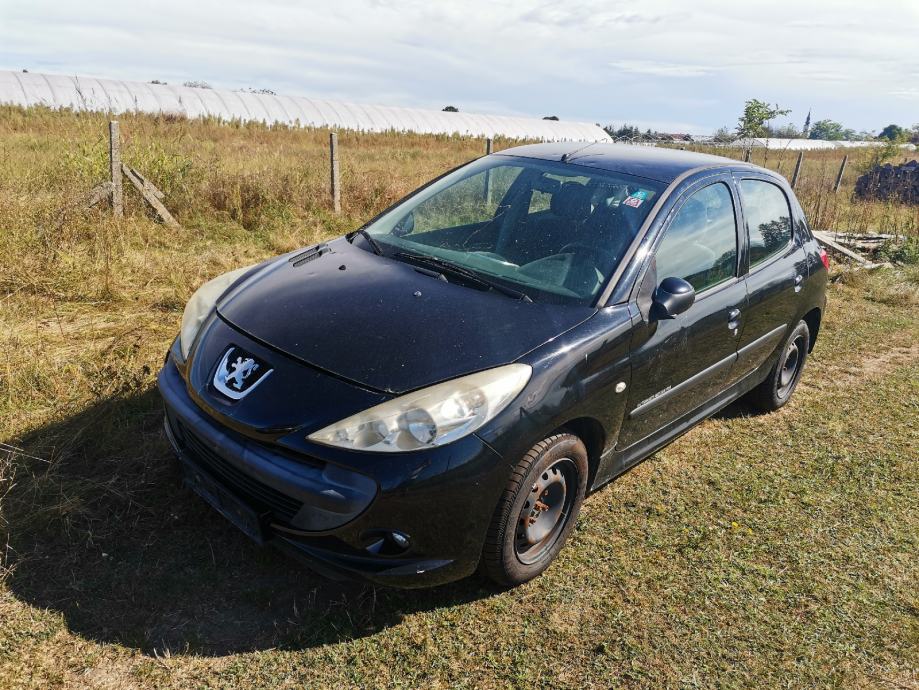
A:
{"points": [[108, 95]]}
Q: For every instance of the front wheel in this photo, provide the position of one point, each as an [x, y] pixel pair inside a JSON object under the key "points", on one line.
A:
{"points": [[783, 378], [537, 511]]}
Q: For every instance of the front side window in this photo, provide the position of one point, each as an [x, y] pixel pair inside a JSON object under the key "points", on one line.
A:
{"points": [[700, 244], [555, 231], [768, 219]]}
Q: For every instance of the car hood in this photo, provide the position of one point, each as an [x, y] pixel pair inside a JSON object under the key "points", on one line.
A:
{"points": [[384, 325]]}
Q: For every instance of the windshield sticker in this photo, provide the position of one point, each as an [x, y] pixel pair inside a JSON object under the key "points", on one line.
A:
{"points": [[633, 201], [639, 194]]}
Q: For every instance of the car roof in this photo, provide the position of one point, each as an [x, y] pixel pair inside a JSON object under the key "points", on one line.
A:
{"points": [[652, 162]]}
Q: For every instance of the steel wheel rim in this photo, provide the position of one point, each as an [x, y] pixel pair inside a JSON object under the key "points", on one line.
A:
{"points": [[791, 366], [545, 511]]}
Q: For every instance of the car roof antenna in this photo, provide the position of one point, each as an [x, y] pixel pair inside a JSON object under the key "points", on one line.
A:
{"points": [[567, 156]]}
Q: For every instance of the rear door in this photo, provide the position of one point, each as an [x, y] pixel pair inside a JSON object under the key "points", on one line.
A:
{"points": [[776, 267], [678, 364]]}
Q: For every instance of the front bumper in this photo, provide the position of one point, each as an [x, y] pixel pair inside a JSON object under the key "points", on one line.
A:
{"points": [[329, 506]]}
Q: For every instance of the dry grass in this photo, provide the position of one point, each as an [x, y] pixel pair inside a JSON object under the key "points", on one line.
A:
{"points": [[755, 551]]}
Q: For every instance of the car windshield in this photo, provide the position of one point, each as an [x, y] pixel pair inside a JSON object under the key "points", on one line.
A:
{"points": [[553, 231]]}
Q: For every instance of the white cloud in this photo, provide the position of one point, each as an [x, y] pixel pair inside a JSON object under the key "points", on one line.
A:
{"points": [[585, 16], [661, 69]]}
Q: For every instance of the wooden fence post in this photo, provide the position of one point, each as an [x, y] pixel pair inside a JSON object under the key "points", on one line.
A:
{"points": [[114, 154], [489, 147], [336, 182], [842, 169], [797, 172]]}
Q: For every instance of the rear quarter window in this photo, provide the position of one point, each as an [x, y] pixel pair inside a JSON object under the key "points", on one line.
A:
{"points": [[768, 217]]}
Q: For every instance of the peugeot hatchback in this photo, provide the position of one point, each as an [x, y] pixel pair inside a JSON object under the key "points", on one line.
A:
{"points": [[437, 391]]}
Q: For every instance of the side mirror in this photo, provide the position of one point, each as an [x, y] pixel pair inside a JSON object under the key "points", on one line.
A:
{"points": [[672, 297]]}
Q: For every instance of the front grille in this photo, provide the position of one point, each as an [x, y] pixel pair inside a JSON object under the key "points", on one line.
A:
{"points": [[259, 495]]}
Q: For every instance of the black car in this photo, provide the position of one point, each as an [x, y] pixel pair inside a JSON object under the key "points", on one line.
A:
{"points": [[437, 391]]}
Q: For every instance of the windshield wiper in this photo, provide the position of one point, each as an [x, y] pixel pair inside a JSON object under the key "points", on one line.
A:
{"points": [[374, 245], [469, 275]]}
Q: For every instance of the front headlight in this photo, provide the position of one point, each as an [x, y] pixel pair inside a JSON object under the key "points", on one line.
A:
{"points": [[430, 417], [201, 304]]}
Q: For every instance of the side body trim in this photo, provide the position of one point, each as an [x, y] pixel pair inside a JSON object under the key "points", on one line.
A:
{"points": [[658, 398]]}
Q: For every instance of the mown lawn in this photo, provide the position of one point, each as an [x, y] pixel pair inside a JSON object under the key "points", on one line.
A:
{"points": [[756, 551]]}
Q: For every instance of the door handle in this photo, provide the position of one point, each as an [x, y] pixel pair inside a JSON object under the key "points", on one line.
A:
{"points": [[798, 280], [734, 320]]}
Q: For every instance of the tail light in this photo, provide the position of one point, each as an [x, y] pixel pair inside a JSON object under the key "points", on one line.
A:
{"points": [[825, 258]]}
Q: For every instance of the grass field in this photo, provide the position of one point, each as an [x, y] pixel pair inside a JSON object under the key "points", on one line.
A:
{"points": [[756, 551]]}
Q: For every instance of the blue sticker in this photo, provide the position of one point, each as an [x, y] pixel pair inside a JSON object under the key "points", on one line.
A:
{"points": [[640, 194]]}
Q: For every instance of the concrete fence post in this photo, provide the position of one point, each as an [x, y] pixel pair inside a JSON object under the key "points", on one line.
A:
{"points": [[114, 154], [334, 172], [797, 172], [489, 147], [842, 169]]}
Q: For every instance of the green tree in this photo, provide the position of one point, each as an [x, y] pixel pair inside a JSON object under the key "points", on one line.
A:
{"points": [[756, 114], [880, 155], [625, 132], [723, 134], [831, 131], [893, 133], [787, 131]]}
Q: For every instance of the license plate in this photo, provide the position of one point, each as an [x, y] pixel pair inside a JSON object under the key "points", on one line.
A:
{"points": [[224, 502]]}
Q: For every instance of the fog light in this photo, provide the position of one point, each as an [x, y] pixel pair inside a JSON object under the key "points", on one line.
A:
{"points": [[387, 542]]}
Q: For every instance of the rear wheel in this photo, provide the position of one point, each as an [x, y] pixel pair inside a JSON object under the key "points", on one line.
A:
{"points": [[783, 378], [537, 511]]}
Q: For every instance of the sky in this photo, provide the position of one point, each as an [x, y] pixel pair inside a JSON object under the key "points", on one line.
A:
{"points": [[668, 65]]}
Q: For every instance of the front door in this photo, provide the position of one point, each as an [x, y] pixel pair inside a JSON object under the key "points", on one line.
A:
{"points": [[680, 363]]}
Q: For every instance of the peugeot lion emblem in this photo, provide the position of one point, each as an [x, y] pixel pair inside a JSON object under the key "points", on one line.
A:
{"points": [[239, 373]]}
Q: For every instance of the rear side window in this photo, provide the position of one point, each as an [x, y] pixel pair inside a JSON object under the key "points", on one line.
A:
{"points": [[768, 219], [700, 245]]}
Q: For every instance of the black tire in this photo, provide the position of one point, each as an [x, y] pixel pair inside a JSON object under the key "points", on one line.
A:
{"points": [[555, 469], [783, 378]]}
